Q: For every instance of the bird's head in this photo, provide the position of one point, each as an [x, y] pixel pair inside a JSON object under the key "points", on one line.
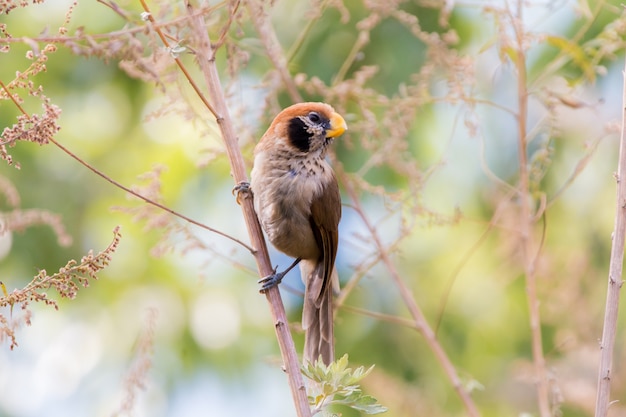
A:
{"points": [[307, 127]]}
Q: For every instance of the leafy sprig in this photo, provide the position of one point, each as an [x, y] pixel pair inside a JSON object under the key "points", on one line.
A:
{"points": [[338, 384]]}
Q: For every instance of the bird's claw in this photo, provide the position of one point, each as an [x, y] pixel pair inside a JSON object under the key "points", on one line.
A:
{"points": [[271, 280], [275, 278], [243, 188]]}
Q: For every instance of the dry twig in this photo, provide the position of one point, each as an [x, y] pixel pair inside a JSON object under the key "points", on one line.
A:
{"points": [[607, 345], [526, 217], [420, 322]]}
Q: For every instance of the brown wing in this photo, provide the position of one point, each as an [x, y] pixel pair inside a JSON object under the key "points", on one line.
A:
{"points": [[325, 215], [317, 314]]}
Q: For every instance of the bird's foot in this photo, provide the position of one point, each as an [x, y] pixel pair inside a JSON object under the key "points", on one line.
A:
{"points": [[275, 277], [271, 280], [242, 190]]}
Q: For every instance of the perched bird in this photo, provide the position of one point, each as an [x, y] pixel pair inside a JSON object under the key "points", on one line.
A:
{"points": [[296, 198]]}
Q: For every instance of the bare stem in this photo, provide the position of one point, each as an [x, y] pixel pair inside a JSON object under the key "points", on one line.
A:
{"points": [[17, 104], [361, 41], [206, 62], [529, 258], [146, 199], [607, 344], [272, 47], [421, 324], [182, 67], [304, 33], [128, 190]]}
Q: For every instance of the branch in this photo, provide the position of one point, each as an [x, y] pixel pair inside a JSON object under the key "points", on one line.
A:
{"points": [[526, 217], [272, 47], [420, 322], [381, 316], [206, 62], [147, 200], [193, 84], [122, 187], [615, 282]]}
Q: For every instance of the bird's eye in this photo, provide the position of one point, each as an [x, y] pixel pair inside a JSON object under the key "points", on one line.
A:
{"points": [[314, 117]]}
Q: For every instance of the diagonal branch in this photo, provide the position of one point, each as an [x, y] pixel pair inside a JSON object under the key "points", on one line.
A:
{"points": [[420, 322], [206, 61], [147, 200], [526, 217], [272, 47], [182, 67], [122, 187]]}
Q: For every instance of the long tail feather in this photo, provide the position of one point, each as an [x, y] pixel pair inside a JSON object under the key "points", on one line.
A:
{"points": [[317, 314]]}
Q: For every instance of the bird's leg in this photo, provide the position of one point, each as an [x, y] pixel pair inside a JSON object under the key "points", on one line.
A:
{"points": [[242, 189], [274, 279]]}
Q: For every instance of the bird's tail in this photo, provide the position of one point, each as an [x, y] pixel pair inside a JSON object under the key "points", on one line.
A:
{"points": [[317, 313]]}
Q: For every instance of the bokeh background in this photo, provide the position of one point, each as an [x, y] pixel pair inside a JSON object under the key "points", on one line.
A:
{"points": [[175, 325]]}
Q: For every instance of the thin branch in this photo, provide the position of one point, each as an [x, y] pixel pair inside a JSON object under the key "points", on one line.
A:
{"points": [[304, 34], [206, 62], [147, 200], [224, 32], [526, 218], [468, 255], [193, 84], [421, 324], [117, 9], [107, 35], [360, 272], [21, 109], [274, 50], [607, 345], [353, 281], [578, 169], [381, 316], [563, 58], [128, 190], [362, 39]]}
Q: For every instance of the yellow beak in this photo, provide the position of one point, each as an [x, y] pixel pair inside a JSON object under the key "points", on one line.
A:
{"points": [[337, 126]]}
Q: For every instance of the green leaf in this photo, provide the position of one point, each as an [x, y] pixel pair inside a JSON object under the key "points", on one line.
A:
{"points": [[574, 51], [510, 52], [369, 405], [338, 384]]}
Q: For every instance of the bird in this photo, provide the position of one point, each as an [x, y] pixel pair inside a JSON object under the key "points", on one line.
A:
{"points": [[296, 198]]}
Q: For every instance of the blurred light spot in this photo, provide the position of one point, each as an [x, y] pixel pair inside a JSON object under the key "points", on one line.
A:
{"points": [[96, 116], [53, 359], [15, 382], [64, 362], [130, 315], [215, 320], [255, 308], [164, 125]]}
